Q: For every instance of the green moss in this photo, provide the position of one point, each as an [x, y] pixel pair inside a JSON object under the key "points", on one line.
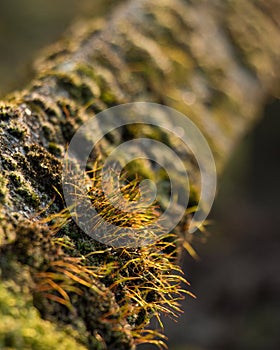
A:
{"points": [[34, 251], [3, 189], [108, 97], [17, 178], [141, 167], [193, 196], [86, 71], [8, 163], [17, 130], [8, 111], [28, 195], [24, 189], [48, 131], [7, 232], [76, 88], [43, 165], [55, 149], [40, 104], [21, 327]]}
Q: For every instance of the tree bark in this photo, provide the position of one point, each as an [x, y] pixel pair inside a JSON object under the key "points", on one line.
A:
{"points": [[215, 62]]}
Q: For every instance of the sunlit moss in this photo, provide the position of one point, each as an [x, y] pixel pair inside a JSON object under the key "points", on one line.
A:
{"points": [[21, 326]]}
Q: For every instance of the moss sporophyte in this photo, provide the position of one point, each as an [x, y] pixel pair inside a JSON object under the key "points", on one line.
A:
{"points": [[71, 273]]}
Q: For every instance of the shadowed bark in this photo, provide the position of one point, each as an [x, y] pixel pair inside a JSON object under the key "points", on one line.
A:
{"points": [[217, 63]]}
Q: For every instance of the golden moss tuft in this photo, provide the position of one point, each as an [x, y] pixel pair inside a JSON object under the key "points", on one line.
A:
{"points": [[142, 282]]}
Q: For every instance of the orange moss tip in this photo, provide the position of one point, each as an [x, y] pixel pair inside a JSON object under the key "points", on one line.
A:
{"points": [[152, 337]]}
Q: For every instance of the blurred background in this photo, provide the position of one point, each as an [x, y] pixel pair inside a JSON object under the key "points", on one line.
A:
{"points": [[237, 280]]}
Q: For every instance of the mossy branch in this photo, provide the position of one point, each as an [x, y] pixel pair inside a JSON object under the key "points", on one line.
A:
{"points": [[216, 62]]}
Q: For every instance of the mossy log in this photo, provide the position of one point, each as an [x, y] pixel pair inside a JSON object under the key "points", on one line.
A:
{"points": [[216, 62]]}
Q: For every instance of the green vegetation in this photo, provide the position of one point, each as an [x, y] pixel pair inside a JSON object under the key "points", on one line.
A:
{"points": [[22, 328]]}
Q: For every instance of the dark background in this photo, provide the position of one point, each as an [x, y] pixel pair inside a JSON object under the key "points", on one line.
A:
{"points": [[237, 280]]}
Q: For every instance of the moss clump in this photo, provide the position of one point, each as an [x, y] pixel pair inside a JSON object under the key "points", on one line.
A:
{"points": [[8, 111], [55, 149], [28, 195], [7, 231], [21, 326], [66, 290], [8, 163], [17, 130], [3, 189], [17, 178], [24, 189], [48, 131], [44, 167], [76, 87]]}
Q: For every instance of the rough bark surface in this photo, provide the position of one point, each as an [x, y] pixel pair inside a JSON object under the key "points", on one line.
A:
{"points": [[217, 63]]}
